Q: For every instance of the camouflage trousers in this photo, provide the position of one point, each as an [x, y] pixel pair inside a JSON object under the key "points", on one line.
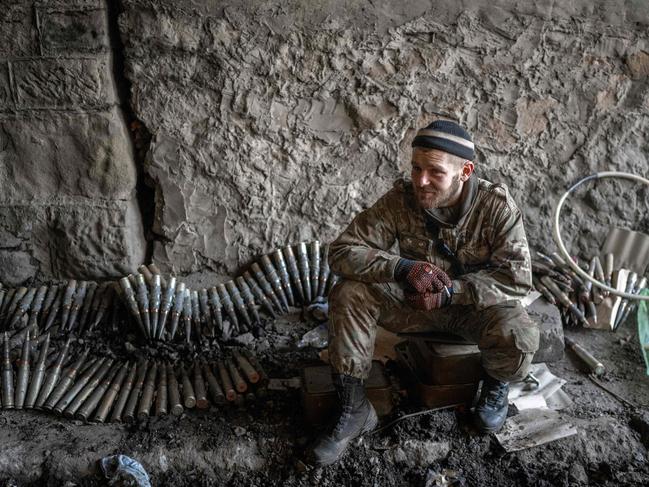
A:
{"points": [[505, 334]]}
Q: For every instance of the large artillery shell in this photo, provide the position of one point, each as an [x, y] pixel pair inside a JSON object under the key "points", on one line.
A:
{"points": [[13, 304], [228, 388], [263, 377], [177, 310], [187, 315], [196, 315], [129, 410], [564, 300], [199, 388], [248, 298], [67, 378], [238, 381], [540, 287], [54, 310], [215, 391], [129, 296], [215, 303], [146, 400], [294, 272], [175, 406], [314, 266], [101, 304], [154, 270], [305, 275], [7, 376], [87, 405], [259, 294], [125, 393], [274, 279], [165, 307], [108, 399], [609, 268], [227, 304], [77, 303], [22, 307], [75, 389], [87, 306], [324, 270], [593, 364], [161, 395], [5, 297], [154, 304], [3, 294], [282, 270], [146, 273], [189, 398], [142, 298], [251, 374], [265, 285], [37, 305], [66, 304], [203, 301], [22, 378], [52, 291], [238, 301], [53, 376], [38, 375]]}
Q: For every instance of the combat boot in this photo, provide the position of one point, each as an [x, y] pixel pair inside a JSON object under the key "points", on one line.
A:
{"points": [[491, 411], [357, 417]]}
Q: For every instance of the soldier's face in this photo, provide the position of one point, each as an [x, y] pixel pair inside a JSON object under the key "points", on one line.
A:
{"points": [[437, 178]]}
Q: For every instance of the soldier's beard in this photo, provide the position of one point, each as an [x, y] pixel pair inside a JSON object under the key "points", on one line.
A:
{"points": [[430, 199]]}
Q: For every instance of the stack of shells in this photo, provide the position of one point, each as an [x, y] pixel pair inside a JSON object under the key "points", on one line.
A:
{"points": [[102, 389], [577, 298], [292, 276], [76, 307]]}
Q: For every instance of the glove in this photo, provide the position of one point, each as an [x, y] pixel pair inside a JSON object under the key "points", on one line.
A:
{"points": [[429, 301], [422, 276]]}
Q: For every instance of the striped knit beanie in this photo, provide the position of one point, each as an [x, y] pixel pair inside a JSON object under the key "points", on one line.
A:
{"points": [[446, 136]]}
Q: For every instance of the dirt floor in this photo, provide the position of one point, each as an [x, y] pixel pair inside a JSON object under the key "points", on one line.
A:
{"points": [[258, 445]]}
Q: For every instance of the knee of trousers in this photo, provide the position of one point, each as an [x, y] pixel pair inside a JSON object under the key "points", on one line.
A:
{"points": [[353, 312], [508, 341]]}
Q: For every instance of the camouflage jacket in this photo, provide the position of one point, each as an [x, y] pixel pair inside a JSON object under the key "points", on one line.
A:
{"points": [[488, 239]]}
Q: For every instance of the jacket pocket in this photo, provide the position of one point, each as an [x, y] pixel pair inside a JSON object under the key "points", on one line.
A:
{"points": [[526, 338], [414, 247]]}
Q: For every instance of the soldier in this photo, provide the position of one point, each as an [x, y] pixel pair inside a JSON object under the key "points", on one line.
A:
{"points": [[463, 264]]}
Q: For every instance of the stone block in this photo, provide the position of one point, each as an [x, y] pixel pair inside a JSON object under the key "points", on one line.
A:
{"points": [[73, 31], [78, 239], [60, 83], [18, 35], [59, 155]]}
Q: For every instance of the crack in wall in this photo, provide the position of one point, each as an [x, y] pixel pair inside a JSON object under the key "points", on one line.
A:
{"points": [[139, 133]]}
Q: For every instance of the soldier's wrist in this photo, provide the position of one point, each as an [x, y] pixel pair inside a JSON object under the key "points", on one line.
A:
{"points": [[402, 269]]}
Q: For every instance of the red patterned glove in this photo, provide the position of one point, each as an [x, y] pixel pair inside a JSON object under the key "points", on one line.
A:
{"points": [[428, 301], [423, 276]]}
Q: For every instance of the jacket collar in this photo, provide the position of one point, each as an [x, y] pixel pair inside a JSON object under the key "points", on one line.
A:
{"points": [[452, 216]]}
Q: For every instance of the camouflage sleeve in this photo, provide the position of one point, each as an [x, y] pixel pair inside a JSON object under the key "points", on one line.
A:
{"points": [[361, 252], [509, 273]]}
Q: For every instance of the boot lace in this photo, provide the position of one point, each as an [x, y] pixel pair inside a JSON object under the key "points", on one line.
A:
{"points": [[495, 394]]}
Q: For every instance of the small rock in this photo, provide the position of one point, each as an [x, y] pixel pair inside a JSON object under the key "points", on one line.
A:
{"points": [[246, 339], [239, 431], [578, 474]]}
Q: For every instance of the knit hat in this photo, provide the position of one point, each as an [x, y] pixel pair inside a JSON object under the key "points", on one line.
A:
{"points": [[446, 136]]}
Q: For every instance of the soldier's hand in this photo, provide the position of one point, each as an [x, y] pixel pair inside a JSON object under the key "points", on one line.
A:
{"points": [[425, 277], [428, 301]]}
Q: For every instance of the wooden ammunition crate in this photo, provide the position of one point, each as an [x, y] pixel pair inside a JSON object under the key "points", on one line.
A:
{"points": [[319, 394]]}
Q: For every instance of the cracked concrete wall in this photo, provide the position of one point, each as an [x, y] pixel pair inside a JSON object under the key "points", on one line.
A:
{"points": [[67, 172], [278, 122], [274, 122]]}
